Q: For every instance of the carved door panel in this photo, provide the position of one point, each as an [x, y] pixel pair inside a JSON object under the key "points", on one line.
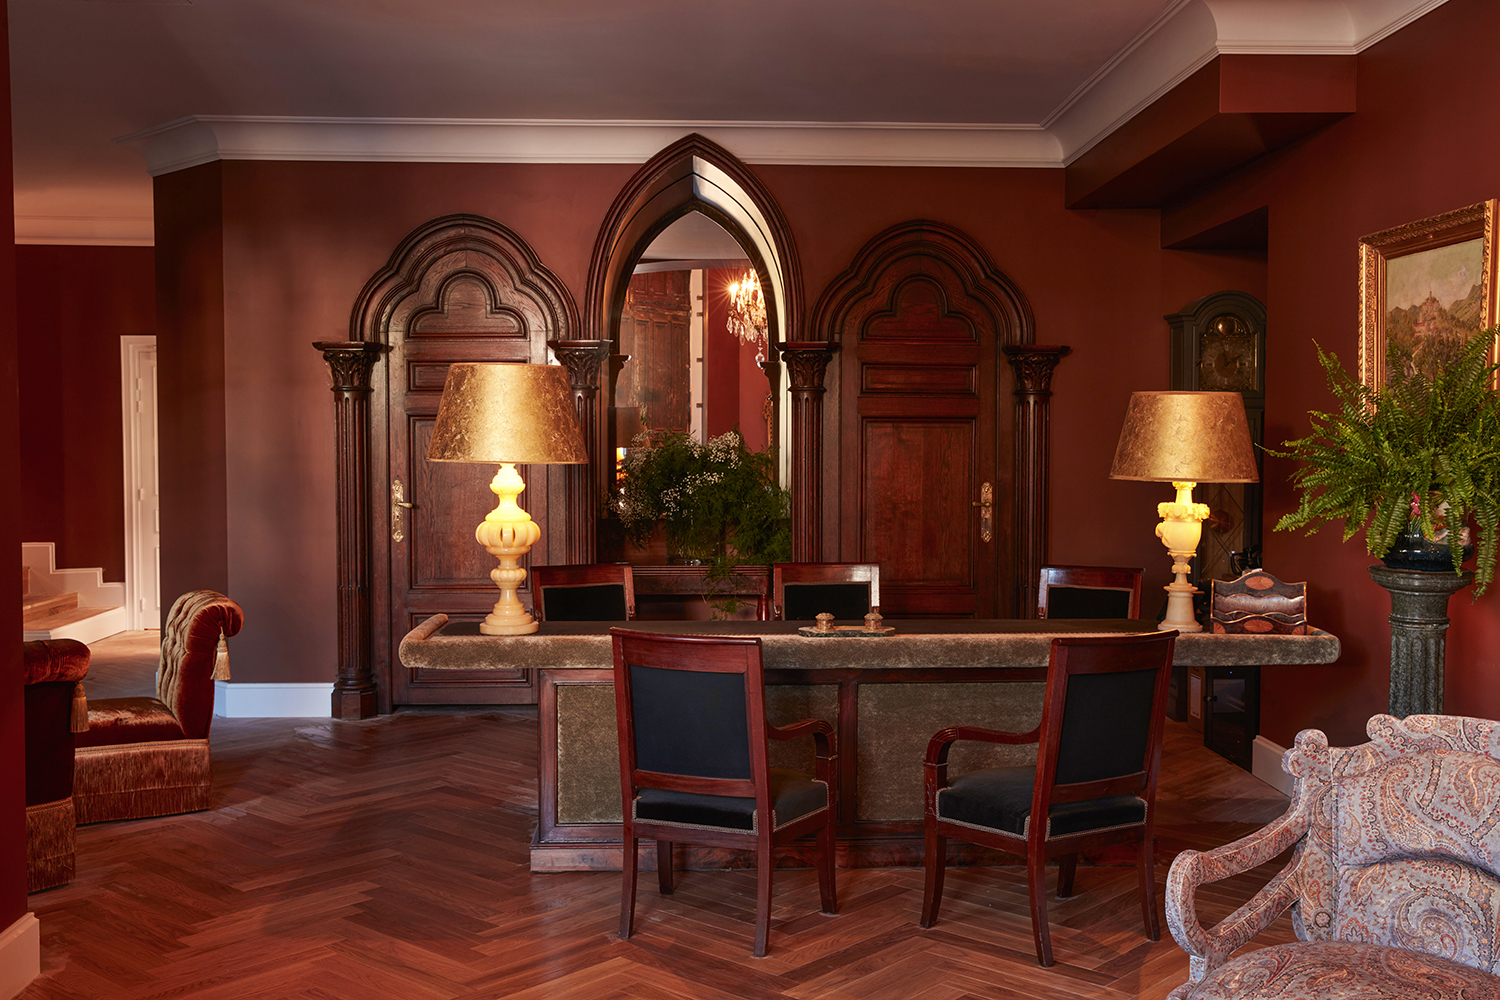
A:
{"points": [[920, 449], [436, 564]]}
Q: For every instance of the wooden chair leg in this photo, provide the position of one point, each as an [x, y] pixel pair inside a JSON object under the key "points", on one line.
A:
{"points": [[764, 866], [1067, 865], [1146, 864], [1036, 867], [827, 847], [627, 888], [664, 866], [935, 861]]}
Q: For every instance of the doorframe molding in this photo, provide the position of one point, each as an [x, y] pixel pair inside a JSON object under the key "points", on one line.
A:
{"points": [[132, 347]]}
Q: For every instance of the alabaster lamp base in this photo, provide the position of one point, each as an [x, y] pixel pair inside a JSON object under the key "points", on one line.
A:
{"points": [[508, 533], [1180, 530]]}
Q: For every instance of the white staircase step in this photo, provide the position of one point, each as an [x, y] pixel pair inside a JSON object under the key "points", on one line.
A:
{"points": [[84, 624]]}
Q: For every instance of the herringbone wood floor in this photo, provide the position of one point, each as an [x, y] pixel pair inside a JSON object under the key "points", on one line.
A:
{"points": [[388, 858]]}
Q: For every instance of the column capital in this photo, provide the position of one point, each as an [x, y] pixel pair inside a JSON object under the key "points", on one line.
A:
{"points": [[806, 361], [351, 362], [1033, 365]]}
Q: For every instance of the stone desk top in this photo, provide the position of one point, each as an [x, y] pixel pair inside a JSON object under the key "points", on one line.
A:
{"points": [[915, 645]]}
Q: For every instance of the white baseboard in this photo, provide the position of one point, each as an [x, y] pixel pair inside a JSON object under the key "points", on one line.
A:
{"points": [[1265, 764], [20, 955], [88, 583], [272, 701]]}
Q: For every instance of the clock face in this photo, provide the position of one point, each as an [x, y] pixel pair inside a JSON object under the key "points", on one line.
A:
{"points": [[1226, 356]]}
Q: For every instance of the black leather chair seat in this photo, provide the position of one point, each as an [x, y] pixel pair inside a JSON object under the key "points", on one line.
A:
{"points": [[999, 798], [793, 794]]}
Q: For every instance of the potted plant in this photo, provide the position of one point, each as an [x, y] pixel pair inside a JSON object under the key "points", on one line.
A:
{"points": [[1410, 460], [719, 504]]}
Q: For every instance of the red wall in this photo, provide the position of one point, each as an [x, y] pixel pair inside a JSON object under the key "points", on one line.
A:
{"points": [[289, 246], [1421, 143], [79, 301], [12, 722]]}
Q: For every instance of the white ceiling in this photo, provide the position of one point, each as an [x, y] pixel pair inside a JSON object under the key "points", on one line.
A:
{"points": [[984, 82]]}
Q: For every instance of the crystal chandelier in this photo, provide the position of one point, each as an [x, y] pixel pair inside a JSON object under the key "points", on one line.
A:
{"points": [[747, 313]]}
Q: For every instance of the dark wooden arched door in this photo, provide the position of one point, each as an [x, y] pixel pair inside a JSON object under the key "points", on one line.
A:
{"points": [[461, 288], [926, 476]]}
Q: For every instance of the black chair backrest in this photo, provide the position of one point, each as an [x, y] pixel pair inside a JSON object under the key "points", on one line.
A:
{"points": [[1089, 592], [1103, 718], [603, 592], [692, 709], [802, 591]]}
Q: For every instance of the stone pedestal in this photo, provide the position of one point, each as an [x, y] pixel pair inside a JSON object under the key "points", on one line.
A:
{"points": [[1419, 625]]}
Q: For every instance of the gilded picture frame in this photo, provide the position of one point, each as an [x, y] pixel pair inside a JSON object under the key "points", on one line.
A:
{"points": [[1429, 285]]}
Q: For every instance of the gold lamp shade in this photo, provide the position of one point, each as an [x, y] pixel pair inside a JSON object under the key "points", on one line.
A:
{"points": [[1198, 437], [1184, 438], [507, 413], [512, 414]]}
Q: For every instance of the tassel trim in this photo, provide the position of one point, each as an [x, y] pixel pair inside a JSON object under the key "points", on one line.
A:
{"points": [[80, 708], [221, 660]]}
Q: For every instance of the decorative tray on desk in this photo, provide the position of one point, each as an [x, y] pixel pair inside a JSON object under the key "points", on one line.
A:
{"points": [[826, 629]]}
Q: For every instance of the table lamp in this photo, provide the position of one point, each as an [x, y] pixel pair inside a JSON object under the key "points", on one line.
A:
{"points": [[513, 414], [1184, 438]]}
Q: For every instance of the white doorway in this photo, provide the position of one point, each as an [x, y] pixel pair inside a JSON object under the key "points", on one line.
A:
{"points": [[142, 493]]}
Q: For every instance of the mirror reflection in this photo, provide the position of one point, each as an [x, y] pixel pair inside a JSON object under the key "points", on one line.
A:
{"points": [[694, 329]]}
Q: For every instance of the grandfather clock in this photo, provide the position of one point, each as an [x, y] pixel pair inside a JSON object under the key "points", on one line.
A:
{"points": [[1219, 345]]}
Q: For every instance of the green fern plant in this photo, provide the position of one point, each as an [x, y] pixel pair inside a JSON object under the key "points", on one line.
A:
{"points": [[1396, 456]]}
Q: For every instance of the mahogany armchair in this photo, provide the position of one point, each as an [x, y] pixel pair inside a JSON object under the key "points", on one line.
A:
{"points": [[1089, 592], [55, 702], [1394, 883], [1098, 753], [598, 592], [694, 766], [802, 591], [149, 756]]}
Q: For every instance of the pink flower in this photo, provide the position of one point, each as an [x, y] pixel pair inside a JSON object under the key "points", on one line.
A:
{"points": [[1416, 506]]}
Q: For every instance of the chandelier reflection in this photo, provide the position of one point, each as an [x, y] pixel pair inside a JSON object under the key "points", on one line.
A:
{"points": [[747, 313]]}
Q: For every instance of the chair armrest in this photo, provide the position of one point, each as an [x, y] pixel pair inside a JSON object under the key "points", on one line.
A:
{"points": [[938, 746], [821, 731], [825, 747], [1209, 948]]}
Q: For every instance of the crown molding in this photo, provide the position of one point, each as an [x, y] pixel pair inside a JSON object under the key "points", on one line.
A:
{"points": [[85, 230], [1183, 38], [190, 141]]}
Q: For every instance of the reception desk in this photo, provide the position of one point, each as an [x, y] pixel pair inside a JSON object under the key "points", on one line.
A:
{"points": [[886, 696]]}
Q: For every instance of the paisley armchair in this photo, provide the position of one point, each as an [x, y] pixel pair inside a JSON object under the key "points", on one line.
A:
{"points": [[1394, 886]]}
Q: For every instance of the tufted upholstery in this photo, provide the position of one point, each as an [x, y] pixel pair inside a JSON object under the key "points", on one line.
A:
{"points": [[149, 756], [1396, 860], [55, 669]]}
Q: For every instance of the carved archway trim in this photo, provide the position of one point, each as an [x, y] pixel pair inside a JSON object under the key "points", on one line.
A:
{"points": [[443, 249], [694, 174], [914, 248]]}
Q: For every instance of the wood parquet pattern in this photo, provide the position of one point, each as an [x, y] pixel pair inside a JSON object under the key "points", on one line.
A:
{"points": [[389, 858]]}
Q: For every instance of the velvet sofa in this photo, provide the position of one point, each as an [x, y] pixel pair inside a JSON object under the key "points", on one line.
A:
{"points": [[149, 756], [55, 702]]}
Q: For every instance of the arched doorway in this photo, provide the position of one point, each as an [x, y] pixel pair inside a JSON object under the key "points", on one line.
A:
{"points": [[692, 175]]}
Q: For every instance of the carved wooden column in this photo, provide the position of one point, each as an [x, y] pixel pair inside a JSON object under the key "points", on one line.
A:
{"points": [[1033, 366], [583, 359], [805, 362], [354, 694]]}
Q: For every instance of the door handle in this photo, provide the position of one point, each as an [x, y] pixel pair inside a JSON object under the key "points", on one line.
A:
{"points": [[986, 505], [398, 504]]}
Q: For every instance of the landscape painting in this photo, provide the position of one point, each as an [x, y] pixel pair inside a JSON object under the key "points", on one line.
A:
{"points": [[1427, 287]]}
